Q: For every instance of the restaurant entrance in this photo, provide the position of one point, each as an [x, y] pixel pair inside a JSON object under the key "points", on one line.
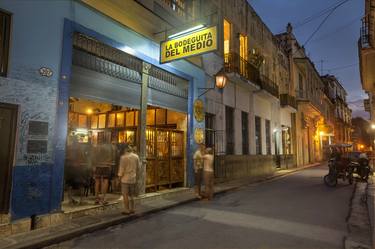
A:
{"points": [[96, 133], [107, 90]]}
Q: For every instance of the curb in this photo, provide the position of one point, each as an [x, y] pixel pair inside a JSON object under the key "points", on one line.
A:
{"points": [[76, 232], [358, 213]]}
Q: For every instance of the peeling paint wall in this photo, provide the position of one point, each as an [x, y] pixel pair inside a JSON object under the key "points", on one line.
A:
{"points": [[36, 98]]}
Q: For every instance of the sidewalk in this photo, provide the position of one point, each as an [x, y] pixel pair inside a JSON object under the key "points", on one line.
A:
{"points": [[361, 217], [92, 222]]}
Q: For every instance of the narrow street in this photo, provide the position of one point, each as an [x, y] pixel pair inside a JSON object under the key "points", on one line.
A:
{"points": [[296, 211]]}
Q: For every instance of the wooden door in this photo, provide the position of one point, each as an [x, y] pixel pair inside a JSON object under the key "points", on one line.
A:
{"points": [[163, 156], [8, 124]]}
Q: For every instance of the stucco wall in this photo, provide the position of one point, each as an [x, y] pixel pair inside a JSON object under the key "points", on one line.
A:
{"points": [[268, 108], [241, 166], [285, 117]]}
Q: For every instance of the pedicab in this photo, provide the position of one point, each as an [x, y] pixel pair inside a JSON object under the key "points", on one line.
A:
{"points": [[339, 164]]}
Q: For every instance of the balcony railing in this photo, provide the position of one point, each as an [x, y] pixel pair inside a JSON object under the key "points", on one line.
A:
{"points": [[365, 32], [313, 99], [288, 100], [178, 6], [301, 95], [367, 105], [233, 63], [270, 86]]}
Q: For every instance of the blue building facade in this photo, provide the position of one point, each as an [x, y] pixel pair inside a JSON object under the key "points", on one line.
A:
{"points": [[38, 82]]}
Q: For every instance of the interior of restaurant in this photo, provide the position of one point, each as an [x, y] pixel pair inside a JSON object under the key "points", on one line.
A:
{"points": [[96, 134]]}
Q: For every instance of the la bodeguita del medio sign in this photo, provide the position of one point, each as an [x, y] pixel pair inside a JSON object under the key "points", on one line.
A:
{"points": [[195, 43]]}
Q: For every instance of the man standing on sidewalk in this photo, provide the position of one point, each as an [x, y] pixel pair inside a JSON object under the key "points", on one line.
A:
{"points": [[198, 168], [129, 165], [208, 169]]}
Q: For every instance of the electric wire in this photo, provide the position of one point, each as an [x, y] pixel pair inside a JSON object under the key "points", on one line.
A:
{"points": [[337, 30], [318, 15], [342, 67], [319, 26], [324, 20], [315, 16]]}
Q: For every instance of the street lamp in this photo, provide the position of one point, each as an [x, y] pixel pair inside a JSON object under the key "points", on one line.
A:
{"points": [[221, 80]]}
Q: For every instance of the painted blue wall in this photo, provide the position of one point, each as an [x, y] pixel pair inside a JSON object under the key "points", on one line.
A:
{"points": [[41, 37]]}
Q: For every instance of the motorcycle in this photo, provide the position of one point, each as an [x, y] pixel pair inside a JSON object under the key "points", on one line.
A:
{"points": [[361, 169]]}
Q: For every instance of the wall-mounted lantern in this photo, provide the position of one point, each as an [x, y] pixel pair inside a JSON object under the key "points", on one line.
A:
{"points": [[221, 80]]}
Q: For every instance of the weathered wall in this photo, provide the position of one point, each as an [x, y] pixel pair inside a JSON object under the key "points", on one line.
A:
{"points": [[232, 167], [285, 117], [35, 43]]}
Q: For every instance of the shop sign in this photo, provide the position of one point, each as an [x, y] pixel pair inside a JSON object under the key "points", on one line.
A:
{"points": [[199, 135], [199, 110], [195, 43]]}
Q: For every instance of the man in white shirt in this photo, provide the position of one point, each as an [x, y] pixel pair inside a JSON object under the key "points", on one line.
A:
{"points": [[198, 168], [128, 168]]}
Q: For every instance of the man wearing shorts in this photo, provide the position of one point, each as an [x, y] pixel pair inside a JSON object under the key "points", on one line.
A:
{"points": [[198, 169], [208, 172], [128, 168]]}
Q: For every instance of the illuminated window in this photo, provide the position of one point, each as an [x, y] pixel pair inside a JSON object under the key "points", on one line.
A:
{"points": [[150, 120], [82, 121], [243, 47], [227, 36], [160, 118], [111, 120], [130, 118], [243, 54], [120, 119], [102, 119], [94, 122]]}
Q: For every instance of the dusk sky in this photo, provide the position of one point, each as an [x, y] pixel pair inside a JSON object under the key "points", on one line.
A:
{"points": [[335, 43]]}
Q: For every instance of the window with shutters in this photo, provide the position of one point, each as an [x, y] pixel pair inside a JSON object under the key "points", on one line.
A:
{"points": [[210, 130], [4, 42], [229, 129], [245, 133], [268, 137], [258, 135]]}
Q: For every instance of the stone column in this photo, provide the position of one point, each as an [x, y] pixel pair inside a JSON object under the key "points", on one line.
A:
{"points": [[142, 137]]}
